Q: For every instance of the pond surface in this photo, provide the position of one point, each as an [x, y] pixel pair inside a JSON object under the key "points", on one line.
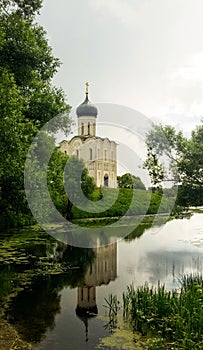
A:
{"points": [[53, 294]]}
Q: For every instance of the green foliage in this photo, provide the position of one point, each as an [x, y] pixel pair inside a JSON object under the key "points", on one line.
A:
{"points": [[190, 195], [16, 134], [24, 7], [184, 161], [174, 319], [143, 202], [163, 141], [55, 180], [78, 183], [191, 161], [25, 53], [28, 99], [166, 319], [130, 181]]}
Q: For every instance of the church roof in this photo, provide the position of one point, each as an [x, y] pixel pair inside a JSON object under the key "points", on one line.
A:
{"points": [[87, 109], [86, 138]]}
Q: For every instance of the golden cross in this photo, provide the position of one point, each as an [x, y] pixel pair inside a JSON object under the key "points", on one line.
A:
{"points": [[87, 88]]}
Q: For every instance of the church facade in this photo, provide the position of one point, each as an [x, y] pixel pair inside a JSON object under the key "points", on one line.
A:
{"points": [[99, 154]]}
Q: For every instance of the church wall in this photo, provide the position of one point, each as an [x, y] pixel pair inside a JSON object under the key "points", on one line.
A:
{"points": [[106, 164], [64, 147], [99, 156]]}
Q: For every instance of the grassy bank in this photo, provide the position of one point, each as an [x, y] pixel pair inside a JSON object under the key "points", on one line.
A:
{"points": [[165, 319], [129, 202]]}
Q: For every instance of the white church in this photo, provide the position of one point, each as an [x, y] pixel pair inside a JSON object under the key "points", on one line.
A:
{"points": [[99, 154]]}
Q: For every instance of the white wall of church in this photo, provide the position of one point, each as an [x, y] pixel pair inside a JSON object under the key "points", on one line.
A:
{"points": [[99, 156]]}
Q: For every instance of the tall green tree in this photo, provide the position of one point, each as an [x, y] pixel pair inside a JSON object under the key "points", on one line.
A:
{"points": [[184, 160], [27, 97], [165, 147], [79, 185], [15, 138], [26, 54]]}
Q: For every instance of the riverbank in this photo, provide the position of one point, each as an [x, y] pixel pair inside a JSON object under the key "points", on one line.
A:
{"points": [[128, 202]]}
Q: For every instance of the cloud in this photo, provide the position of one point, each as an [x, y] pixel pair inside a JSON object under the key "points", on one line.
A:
{"points": [[184, 92], [119, 9], [144, 54]]}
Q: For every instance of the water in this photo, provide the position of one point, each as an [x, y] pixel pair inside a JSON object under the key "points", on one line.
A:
{"points": [[54, 294]]}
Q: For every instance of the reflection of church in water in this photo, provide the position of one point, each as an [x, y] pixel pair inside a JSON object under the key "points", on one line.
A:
{"points": [[100, 272], [99, 154]]}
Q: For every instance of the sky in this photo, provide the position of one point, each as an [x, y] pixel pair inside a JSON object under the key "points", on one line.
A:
{"points": [[143, 54]]}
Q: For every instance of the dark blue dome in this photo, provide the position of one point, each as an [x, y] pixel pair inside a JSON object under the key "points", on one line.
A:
{"points": [[86, 109]]}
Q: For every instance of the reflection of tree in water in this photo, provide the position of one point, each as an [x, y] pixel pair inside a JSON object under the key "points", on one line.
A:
{"points": [[146, 223], [33, 310], [79, 258]]}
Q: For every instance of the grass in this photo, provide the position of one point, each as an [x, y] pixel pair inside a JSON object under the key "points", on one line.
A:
{"points": [[166, 319], [129, 202]]}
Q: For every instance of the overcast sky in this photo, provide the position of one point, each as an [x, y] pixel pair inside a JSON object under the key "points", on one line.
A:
{"points": [[143, 54]]}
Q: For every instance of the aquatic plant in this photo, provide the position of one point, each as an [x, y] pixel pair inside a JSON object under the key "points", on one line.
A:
{"points": [[176, 317], [113, 307], [166, 319], [112, 304]]}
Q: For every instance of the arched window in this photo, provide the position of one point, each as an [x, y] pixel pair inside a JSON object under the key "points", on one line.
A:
{"points": [[82, 128], [106, 180], [98, 153], [90, 153], [77, 153], [105, 154], [88, 130], [65, 152]]}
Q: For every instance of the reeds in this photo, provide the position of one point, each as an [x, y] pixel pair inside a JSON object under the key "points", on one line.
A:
{"points": [[113, 306], [171, 319]]}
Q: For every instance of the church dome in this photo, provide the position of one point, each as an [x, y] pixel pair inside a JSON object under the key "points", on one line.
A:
{"points": [[86, 109]]}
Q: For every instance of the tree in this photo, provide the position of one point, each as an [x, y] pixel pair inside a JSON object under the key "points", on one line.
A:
{"points": [[26, 54], [130, 181], [184, 165], [25, 7], [79, 185], [15, 138], [27, 97]]}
